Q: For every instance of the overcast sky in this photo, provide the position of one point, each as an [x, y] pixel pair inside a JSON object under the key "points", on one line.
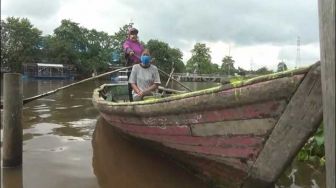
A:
{"points": [[255, 33]]}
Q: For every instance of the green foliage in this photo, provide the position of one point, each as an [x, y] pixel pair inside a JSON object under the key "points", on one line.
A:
{"points": [[263, 70], [215, 68], [313, 150], [236, 79], [227, 66], [241, 71], [200, 61], [176, 56], [282, 66], [165, 56], [20, 42], [118, 39], [89, 50]]}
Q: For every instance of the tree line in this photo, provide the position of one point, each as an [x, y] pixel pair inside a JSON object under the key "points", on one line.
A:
{"points": [[90, 50]]}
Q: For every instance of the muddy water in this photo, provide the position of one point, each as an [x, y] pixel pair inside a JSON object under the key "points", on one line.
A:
{"points": [[66, 144], [58, 149], [118, 162]]}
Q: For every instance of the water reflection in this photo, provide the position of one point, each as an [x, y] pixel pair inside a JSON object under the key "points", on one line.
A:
{"points": [[12, 177], [302, 174], [58, 151], [57, 134], [117, 162]]}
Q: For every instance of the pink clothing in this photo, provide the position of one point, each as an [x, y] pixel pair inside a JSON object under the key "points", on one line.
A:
{"points": [[135, 46]]}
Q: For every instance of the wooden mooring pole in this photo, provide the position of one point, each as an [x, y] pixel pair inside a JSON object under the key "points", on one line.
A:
{"points": [[12, 120], [327, 48]]}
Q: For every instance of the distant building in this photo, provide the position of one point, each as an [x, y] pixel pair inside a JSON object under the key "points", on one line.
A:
{"points": [[48, 71], [282, 66]]}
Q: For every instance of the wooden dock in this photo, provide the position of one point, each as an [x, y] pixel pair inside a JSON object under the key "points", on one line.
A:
{"points": [[188, 77]]}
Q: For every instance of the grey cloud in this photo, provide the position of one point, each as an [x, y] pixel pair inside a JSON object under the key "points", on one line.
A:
{"points": [[244, 22], [307, 55], [38, 9]]}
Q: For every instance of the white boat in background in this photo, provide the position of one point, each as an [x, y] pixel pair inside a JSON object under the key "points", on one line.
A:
{"points": [[120, 76]]}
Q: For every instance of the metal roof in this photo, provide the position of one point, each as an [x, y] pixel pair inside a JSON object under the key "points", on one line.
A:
{"points": [[49, 65]]}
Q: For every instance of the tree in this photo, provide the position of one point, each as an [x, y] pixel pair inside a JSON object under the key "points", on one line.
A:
{"points": [[165, 57], [263, 70], [68, 43], [118, 39], [20, 43], [89, 50], [175, 55], [242, 72], [215, 68], [200, 60], [282, 66], [98, 49], [227, 66]]}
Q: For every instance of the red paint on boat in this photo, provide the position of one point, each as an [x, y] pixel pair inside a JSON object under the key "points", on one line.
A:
{"points": [[237, 152], [252, 111], [157, 130], [241, 141]]}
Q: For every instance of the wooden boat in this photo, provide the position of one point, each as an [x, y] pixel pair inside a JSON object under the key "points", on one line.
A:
{"points": [[236, 135]]}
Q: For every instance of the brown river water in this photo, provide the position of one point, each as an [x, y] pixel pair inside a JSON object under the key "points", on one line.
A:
{"points": [[66, 144]]}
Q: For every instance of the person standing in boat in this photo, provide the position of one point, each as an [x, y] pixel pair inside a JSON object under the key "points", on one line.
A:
{"points": [[144, 78], [133, 50]]}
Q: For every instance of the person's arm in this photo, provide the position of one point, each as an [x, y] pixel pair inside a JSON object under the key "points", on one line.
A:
{"points": [[155, 84], [132, 81], [153, 87], [127, 48], [137, 90]]}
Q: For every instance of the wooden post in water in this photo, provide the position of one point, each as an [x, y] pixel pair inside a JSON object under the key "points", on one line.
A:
{"points": [[12, 122], [327, 49]]}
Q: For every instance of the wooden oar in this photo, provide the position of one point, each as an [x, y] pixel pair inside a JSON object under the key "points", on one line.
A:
{"points": [[26, 100], [166, 74], [170, 75]]}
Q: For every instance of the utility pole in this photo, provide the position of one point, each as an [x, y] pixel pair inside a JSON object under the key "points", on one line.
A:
{"points": [[229, 49], [298, 58], [251, 64]]}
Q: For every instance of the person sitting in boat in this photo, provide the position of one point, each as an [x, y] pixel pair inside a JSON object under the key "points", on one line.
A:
{"points": [[144, 78], [132, 50]]}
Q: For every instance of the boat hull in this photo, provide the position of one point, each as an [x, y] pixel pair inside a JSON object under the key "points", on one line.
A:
{"points": [[218, 133]]}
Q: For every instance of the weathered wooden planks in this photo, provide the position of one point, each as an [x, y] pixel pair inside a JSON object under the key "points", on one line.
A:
{"points": [[240, 127], [251, 110], [216, 172], [236, 152], [327, 21], [228, 141], [237, 163], [243, 152], [268, 109], [300, 119], [12, 121], [157, 130], [217, 98]]}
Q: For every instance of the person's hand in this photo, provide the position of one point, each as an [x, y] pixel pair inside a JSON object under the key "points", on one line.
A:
{"points": [[131, 53], [141, 94]]}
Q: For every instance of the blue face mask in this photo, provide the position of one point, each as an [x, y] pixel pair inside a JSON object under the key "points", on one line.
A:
{"points": [[145, 59]]}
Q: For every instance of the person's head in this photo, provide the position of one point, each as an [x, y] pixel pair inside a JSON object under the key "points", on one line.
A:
{"points": [[145, 58], [133, 34]]}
